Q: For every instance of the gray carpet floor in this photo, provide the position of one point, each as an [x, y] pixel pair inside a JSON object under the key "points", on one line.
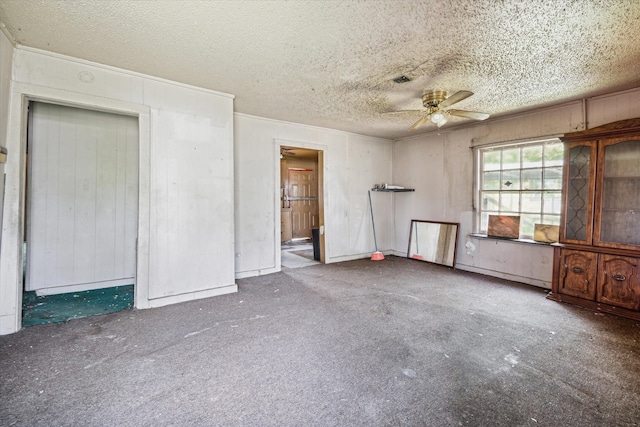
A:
{"points": [[391, 343]]}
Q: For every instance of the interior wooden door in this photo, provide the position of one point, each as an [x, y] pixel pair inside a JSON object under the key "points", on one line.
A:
{"points": [[82, 199], [302, 197]]}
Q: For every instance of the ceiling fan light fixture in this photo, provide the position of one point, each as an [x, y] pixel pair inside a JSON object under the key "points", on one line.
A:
{"points": [[438, 118]]}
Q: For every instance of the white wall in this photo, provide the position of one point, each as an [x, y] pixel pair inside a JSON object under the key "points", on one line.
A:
{"points": [[440, 167], [7, 295], [185, 213], [6, 63], [352, 165]]}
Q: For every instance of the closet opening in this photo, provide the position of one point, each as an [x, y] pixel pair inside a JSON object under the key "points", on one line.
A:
{"points": [[81, 213]]}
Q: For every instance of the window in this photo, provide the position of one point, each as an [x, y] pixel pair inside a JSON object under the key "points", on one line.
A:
{"points": [[521, 179]]}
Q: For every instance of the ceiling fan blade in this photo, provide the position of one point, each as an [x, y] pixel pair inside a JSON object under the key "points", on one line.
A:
{"points": [[456, 97], [404, 111], [419, 123], [469, 114]]}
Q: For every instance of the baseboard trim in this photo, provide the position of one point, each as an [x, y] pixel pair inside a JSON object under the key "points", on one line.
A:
{"points": [[191, 296], [515, 278]]}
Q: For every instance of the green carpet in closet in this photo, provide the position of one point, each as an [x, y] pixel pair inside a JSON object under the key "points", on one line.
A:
{"points": [[37, 310]]}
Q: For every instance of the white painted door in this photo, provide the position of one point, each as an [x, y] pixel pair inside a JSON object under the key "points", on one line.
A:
{"points": [[82, 199]]}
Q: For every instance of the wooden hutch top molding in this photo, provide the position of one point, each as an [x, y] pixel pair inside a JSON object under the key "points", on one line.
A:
{"points": [[615, 129]]}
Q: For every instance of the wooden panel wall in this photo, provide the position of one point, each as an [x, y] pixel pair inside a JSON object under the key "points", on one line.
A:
{"points": [[82, 199]]}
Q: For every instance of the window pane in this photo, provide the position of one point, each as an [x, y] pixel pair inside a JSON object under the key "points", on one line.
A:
{"points": [[532, 202], [552, 202], [527, 222], [553, 178], [511, 158], [551, 219], [523, 180], [553, 154], [532, 179], [510, 202], [532, 157], [511, 180], [491, 181], [491, 201], [491, 160]]}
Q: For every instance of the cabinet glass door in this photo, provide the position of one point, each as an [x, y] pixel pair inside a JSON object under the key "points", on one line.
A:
{"points": [[578, 203], [618, 203]]}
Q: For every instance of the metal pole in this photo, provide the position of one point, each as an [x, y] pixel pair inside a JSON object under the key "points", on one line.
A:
{"points": [[375, 241]]}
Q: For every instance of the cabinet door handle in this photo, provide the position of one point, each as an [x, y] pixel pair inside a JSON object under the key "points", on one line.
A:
{"points": [[577, 270], [619, 277]]}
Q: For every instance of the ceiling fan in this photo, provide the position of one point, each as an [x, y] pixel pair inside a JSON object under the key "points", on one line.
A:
{"points": [[285, 151], [435, 102]]}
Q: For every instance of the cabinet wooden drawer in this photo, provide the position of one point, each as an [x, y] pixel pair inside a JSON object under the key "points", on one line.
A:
{"points": [[577, 274], [618, 281]]}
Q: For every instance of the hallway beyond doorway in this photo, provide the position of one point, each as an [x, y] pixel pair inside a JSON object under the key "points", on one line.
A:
{"points": [[297, 253]]}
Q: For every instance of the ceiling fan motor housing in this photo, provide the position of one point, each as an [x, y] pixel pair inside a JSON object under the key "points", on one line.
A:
{"points": [[432, 98]]}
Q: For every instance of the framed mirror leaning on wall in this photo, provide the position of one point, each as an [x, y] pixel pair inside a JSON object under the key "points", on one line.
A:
{"points": [[433, 241]]}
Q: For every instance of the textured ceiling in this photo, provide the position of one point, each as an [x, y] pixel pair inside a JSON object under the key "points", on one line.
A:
{"points": [[331, 63]]}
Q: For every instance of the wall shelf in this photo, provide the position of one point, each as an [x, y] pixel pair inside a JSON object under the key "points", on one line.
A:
{"points": [[393, 190]]}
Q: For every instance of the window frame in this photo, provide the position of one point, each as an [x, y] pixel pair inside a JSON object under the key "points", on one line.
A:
{"points": [[478, 191]]}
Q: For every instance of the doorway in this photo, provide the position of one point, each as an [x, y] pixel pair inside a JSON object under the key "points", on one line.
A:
{"points": [[300, 207], [81, 213]]}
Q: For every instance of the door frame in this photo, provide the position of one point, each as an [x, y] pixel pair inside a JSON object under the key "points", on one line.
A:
{"points": [[321, 149], [13, 218]]}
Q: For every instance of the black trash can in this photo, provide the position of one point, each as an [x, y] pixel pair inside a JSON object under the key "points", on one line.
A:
{"points": [[315, 238]]}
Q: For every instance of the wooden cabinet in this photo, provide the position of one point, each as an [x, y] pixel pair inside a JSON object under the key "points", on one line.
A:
{"points": [[577, 273], [618, 281], [597, 259]]}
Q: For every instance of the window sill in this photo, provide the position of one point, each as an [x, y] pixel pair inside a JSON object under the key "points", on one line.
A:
{"points": [[525, 241]]}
